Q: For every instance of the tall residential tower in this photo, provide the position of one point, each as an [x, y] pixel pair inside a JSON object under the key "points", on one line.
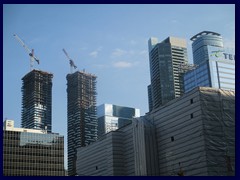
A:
{"points": [[37, 100], [166, 80], [82, 114]]}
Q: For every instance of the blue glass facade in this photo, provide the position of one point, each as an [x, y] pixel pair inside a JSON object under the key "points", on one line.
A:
{"points": [[197, 77], [200, 44], [112, 117], [217, 72]]}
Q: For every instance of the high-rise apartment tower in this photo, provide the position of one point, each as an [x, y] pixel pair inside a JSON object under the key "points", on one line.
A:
{"points": [[82, 114], [166, 79], [37, 100]]}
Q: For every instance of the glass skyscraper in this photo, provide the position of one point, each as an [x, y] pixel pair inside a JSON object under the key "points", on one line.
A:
{"points": [[81, 113], [112, 117], [217, 72], [31, 152], [166, 79], [215, 64], [37, 100], [200, 44]]}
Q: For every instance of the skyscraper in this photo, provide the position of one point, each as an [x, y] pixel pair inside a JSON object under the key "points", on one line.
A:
{"points": [[82, 114], [200, 44], [215, 64], [112, 117], [166, 80], [37, 100]]}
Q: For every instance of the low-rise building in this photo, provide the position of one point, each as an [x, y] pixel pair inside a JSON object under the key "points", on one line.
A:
{"points": [[31, 152], [193, 135]]}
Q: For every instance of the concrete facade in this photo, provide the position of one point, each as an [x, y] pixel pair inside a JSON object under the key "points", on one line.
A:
{"points": [[125, 152], [196, 134], [193, 135], [37, 100]]}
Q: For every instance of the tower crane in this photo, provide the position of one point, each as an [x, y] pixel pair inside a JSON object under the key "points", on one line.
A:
{"points": [[72, 65], [30, 52]]}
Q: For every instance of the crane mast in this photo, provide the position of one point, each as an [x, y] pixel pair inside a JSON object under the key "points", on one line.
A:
{"points": [[30, 52], [72, 65]]}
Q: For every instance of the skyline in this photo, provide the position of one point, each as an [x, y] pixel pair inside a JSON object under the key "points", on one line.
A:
{"points": [[109, 41]]}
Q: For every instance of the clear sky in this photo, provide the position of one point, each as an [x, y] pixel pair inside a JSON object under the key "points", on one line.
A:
{"points": [[109, 41]]}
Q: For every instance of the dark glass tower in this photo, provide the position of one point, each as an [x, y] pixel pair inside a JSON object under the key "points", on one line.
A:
{"points": [[37, 100], [82, 114], [166, 79]]}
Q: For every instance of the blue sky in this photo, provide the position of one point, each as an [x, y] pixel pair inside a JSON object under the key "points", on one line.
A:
{"points": [[109, 41]]}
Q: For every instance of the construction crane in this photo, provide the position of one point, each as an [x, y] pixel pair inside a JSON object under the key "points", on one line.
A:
{"points": [[30, 52], [72, 65]]}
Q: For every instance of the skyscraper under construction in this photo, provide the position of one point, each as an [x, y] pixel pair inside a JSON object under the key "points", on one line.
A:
{"points": [[37, 100], [82, 114]]}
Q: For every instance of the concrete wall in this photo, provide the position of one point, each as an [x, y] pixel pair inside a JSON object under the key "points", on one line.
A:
{"points": [[125, 152], [193, 135], [189, 131], [111, 155]]}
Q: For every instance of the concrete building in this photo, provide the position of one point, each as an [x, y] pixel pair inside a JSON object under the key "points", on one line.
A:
{"points": [[31, 152], [81, 113], [193, 135], [196, 133], [200, 44], [37, 100], [128, 151], [112, 117], [166, 81]]}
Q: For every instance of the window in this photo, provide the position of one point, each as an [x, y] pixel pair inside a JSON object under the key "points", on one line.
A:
{"points": [[191, 115], [191, 101], [96, 167], [172, 138]]}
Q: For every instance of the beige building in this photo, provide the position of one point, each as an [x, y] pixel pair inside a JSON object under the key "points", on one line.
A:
{"points": [[31, 152]]}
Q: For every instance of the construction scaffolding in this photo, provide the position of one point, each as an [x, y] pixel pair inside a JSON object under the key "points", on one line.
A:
{"points": [[185, 67], [37, 100], [82, 114]]}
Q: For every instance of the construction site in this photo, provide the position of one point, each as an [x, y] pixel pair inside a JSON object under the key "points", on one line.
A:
{"points": [[36, 95], [37, 100], [81, 113]]}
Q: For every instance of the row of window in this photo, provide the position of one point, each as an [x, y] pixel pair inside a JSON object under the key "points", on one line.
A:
{"points": [[10, 172], [54, 167], [32, 147], [41, 161]]}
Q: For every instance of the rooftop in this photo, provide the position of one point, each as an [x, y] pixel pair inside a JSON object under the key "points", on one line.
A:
{"points": [[203, 33]]}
